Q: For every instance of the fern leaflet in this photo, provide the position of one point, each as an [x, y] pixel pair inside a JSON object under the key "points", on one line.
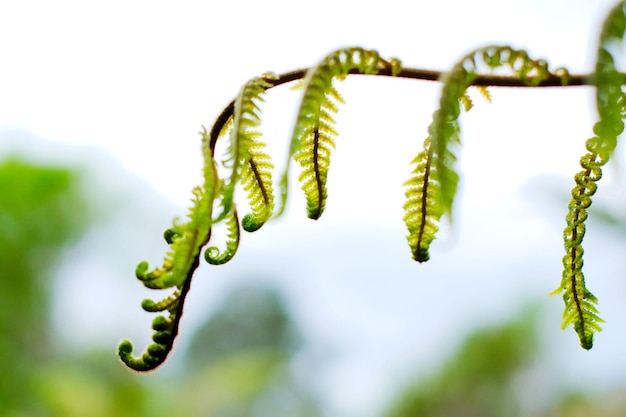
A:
{"points": [[256, 178], [244, 136]]}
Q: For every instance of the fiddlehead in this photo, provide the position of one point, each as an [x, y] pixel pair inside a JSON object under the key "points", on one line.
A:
{"points": [[314, 132], [186, 241], [212, 254], [580, 303], [432, 187]]}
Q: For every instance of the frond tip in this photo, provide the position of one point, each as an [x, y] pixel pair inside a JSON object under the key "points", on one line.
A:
{"points": [[422, 208], [213, 255], [250, 165], [256, 179]]}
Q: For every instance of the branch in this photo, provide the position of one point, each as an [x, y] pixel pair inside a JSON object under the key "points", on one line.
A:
{"points": [[574, 80]]}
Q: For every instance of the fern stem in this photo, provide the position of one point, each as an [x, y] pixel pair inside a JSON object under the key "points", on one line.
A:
{"points": [[424, 207], [318, 180], [574, 80]]}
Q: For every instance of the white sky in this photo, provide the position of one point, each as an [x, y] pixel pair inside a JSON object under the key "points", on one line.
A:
{"points": [[139, 79]]}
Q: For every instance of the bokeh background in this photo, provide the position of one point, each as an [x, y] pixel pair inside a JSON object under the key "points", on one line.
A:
{"points": [[100, 108]]}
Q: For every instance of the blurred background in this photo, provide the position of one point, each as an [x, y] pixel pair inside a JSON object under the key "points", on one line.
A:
{"points": [[100, 108]]}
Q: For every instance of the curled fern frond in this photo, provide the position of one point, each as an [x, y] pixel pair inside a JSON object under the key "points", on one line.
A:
{"points": [[186, 240], [432, 187], [314, 132], [212, 254], [314, 156], [244, 136], [256, 179], [580, 304]]}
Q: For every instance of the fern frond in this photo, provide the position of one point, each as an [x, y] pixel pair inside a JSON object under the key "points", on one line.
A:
{"points": [[256, 178], [580, 310], [314, 157], [580, 303], [186, 241], [422, 208], [431, 190], [212, 254], [314, 133], [244, 135], [445, 130]]}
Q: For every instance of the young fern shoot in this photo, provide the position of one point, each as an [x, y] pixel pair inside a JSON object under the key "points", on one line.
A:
{"points": [[430, 190], [313, 135], [433, 184]]}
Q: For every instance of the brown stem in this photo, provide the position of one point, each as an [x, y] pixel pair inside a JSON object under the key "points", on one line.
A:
{"points": [[574, 80]]}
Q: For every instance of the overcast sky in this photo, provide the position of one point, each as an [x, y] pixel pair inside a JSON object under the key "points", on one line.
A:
{"points": [[137, 80]]}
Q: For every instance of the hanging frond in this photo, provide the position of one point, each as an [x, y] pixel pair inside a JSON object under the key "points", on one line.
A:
{"points": [[314, 156], [431, 190], [314, 132], [256, 179], [186, 241], [422, 208], [244, 136], [580, 310], [580, 304]]}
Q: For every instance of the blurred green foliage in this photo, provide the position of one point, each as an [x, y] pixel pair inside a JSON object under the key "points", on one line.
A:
{"points": [[41, 210], [477, 380], [240, 362]]}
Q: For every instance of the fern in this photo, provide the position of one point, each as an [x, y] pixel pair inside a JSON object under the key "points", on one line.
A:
{"points": [[186, 241], [422, 207], [430, 190], [580, 304], [213, 256], [244, 152], [432, 187], [313, 136], [257, 181]]}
